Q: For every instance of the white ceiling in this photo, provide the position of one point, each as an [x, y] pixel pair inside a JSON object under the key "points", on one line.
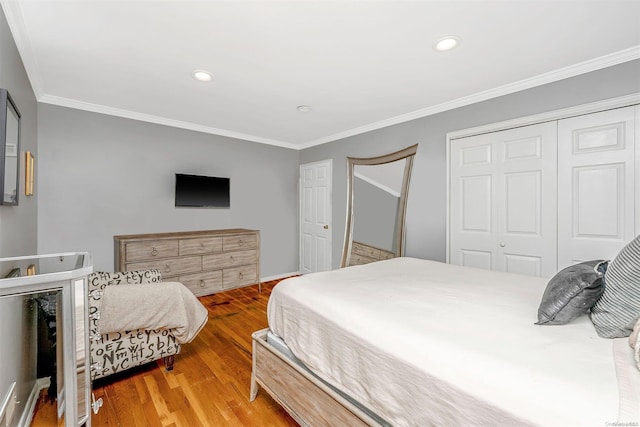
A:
{"points": [[361, 65]]}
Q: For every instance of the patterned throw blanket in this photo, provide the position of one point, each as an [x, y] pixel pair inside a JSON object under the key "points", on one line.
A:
{"points": [[164, 305]]}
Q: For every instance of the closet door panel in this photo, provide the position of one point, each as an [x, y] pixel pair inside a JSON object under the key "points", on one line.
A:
{"points": [[606, 184], [475, 199], [503, 200], [527, 199], [476, 259], [472, 218], [521, 264], [597, 185], [523, 203]]}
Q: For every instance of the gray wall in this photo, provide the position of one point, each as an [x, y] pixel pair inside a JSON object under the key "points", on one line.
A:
{"points": [[17, 233], [18, 223], [426, 209], [103, 176]]}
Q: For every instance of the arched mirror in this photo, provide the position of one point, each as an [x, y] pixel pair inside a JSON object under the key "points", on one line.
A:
{"points": [[376, 205]]}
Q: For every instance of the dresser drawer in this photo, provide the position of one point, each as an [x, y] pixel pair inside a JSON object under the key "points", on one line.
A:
{"points": [[202, 245], [229, 259], [364, 250], [386, 255], [239, 242], [138, 251], [203, 283], [171, 266], [360, 259], [239, 276]]}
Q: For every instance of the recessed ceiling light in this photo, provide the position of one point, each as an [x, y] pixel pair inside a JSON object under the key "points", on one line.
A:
{"points": [[446, 43], [304, 108], [202, 75]]}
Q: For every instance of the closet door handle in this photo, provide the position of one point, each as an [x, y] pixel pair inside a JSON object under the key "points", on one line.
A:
{"points": [[503, 244]]}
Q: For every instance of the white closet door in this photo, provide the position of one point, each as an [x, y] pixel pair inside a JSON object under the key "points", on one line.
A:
{"points": [[596, 188], [503, 200]]}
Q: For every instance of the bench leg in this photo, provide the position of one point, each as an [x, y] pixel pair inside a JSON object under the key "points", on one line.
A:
{"points": [[168, 362]]}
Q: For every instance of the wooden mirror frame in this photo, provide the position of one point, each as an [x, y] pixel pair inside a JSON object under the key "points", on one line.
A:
{"points": [[6, 103], [406, 153]]}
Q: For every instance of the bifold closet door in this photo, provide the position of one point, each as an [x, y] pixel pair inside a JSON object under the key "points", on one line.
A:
{"points": [[503, 198], [598, 184]]}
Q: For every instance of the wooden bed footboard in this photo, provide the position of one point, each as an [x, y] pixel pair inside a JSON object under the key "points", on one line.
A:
{"points": [[309, 401]]}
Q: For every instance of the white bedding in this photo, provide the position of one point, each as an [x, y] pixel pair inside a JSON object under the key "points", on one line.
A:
{"points": [[426, 343]]}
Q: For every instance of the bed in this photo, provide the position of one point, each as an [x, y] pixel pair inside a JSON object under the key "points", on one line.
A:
{"points": [[415, 342]]}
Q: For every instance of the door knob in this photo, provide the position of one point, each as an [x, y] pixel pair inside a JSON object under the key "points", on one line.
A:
{"points": [[326, 227], [503, 244]]}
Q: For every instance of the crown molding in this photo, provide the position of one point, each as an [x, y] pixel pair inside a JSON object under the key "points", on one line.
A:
{"points": [[14, 18], [13, 14], [102, 109], [605, 61], [564, 113]]}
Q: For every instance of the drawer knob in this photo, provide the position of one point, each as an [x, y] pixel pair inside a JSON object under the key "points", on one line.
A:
{"points": [[154, 252], [231, 257], [240, 242], [201, 283], [167, 268], [202, 245], [240, 275]]}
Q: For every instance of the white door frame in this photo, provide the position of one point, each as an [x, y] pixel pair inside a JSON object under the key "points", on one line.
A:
{"points": [[329, 219]]}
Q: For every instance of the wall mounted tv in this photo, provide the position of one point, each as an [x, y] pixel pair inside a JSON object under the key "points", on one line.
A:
{"points": [[199, 191]]}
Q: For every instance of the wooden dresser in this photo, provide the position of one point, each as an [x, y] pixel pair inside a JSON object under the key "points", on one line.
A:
{"points": [[361, 253], [204, 261]]}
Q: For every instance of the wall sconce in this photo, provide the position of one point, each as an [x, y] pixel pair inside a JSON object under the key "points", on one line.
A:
{"points": [[28, 174]]}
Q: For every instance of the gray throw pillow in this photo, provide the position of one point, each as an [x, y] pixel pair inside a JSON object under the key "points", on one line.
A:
{"points": [[616, 312], [571, 293]]}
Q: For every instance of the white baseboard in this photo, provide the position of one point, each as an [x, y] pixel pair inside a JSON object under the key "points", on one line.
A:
{"points": [[30, 407], [279, 276]]}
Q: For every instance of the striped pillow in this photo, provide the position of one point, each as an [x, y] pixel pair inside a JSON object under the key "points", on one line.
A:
{"points": [[617, 311]]}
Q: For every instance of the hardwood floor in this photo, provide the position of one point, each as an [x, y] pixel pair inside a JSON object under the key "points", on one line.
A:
{"points": [[209, 385]]}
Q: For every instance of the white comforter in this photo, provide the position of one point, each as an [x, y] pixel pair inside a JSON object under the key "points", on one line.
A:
{"points": [[426, 343]]}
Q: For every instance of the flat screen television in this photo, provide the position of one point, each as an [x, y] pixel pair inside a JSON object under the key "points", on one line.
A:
{"points": [[202, 191]]}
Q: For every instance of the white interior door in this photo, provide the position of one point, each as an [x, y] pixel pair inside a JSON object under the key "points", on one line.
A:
{"points": [[597, 185], [503, 200], [315, 217]]}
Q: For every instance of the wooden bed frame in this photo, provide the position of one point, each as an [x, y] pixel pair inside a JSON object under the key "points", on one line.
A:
{"points": [[307, 399]]}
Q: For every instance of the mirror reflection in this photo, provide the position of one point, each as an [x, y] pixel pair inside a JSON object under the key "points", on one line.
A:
{"points": [[376, 193], [50, 350], [378, 188]]}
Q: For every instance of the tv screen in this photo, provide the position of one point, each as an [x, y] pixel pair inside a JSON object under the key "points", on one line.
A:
{"points": [[202, 191]]}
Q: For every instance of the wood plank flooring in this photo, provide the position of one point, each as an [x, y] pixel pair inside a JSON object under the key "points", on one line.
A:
{"points": [[209, 385]]}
